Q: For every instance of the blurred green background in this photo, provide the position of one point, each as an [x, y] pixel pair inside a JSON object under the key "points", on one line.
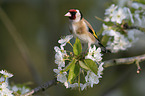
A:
{"points": [[40, 24]]}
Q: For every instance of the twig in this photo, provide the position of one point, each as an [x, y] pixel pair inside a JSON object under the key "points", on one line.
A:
{"points": [[126, 26], [113, 62], [42, 87], [99, 19], [120, 61]]}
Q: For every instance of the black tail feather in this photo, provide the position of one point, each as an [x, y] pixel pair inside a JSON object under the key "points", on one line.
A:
{"points": [[104, 50]]}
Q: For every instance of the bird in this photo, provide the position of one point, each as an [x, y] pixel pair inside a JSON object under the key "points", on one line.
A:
{"points": [[82, 29]]}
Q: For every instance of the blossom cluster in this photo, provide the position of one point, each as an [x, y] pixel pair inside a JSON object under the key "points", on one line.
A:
{"points": [[119, 36], [4, 86], [63, 58], [138, 13], [115, 19], [6, 89]]}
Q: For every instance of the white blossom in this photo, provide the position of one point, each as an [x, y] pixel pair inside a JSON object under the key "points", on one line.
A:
{"points": [[84, 86], [4, 91], [2, 79], [72, 86], [131, 35], [119, 43], [67, 84], [60, 76], [5, 73], [59, 56], [91, 78], [130, 15], [107, 19], [118, 15], [59, 59], [94, 54], [143, 21], [138, 19], [100, 69], [109, 11], [15, 88], [63, 41], [136, 5], [108, 31], [22, 89], [123, 43]]}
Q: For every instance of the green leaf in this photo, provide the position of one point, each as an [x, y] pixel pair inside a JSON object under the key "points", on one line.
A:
{"points": [[77, 47], [100, 32], [83, 65], [141, 29], [98, 18], [69, 65], [79, 80], [105, 39], [140, 1], [91, 65], [73, 72]]}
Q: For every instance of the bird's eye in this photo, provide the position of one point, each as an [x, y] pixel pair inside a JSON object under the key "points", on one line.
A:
{"points": [[73, 13]]}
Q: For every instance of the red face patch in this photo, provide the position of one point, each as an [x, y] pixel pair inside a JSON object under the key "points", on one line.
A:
{"points": [[72, 10]]}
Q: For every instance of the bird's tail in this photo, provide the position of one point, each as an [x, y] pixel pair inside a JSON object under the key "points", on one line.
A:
{"points": [[103, 49]]}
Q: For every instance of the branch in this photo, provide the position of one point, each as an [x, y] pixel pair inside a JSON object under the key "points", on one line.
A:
{"points": [[42, 87], [108, 63], [126, 26], [129, 60]]}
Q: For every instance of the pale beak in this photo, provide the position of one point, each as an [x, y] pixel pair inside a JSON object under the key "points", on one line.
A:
{"points": [[68, 14]]}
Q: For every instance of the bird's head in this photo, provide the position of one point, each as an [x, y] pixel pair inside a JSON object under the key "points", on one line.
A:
{"points": [[74, 14]]}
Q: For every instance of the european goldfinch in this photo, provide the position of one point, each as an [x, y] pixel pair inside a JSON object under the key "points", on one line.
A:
{"points": [[82, 29]]}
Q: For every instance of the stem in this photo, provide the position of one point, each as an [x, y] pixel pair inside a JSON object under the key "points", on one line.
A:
{"points": [[70, 43], [126, 26], [99, 19], [120, 61], [41, 87], [138, 67]]}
